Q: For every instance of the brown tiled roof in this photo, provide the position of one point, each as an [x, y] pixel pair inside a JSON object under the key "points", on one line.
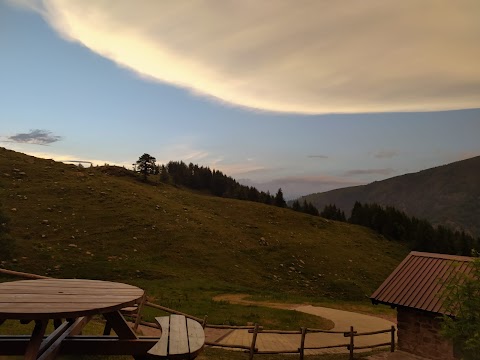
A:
{"points": [[419, 281]]}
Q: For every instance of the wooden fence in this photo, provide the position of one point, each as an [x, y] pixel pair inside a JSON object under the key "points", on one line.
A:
{"points": [[304, 331], [256, 329], [135, 313]]}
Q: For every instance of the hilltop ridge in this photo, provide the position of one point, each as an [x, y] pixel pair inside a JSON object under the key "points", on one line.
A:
{"points": [[98, 223], [446, 195]]}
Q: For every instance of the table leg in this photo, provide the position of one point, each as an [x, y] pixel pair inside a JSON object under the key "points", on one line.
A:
{"points": [[36, 339], [108, 329], [51, 346], [117, 322]]}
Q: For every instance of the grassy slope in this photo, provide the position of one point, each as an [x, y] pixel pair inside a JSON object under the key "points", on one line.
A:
{"points": [[72, 222]]}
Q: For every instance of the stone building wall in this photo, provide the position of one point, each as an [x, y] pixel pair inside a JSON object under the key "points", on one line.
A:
{"points": [[418, 333]]}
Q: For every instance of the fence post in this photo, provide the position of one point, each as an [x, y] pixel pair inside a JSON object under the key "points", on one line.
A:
{"points": [[392, 346], [302, 342], [254, 341], [351, 343], [204, 323]]}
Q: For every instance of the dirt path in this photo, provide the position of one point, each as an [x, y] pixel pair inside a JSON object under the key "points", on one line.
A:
{"points": [[241, 299], [342, 319]]}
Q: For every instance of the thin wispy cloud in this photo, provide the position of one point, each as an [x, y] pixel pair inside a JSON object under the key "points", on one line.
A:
{"points": [[296, 56], [384, 172], [183, 149], [36, 137], [196, 155], [385, 154], [234, 169]]}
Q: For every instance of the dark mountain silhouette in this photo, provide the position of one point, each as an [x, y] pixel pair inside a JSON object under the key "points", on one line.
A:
{"points": [[447, 195]]}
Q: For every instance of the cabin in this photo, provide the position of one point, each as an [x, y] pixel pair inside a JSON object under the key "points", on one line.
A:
{"points": [[415, 289]]}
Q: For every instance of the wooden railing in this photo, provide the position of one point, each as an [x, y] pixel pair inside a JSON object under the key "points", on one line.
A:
{"points": [[255, 329], [22, 274], [304, 331]]}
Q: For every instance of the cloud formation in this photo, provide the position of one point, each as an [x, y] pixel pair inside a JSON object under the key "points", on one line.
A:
{"points": [[289, 56], [37, 137]]}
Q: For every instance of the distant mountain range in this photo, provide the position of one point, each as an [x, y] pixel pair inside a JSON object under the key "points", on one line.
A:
{"points": [[446, 195]]}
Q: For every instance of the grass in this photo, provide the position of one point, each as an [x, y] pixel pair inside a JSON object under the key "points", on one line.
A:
{"points": [[197, 299], [73, 222], [364, 307], [14, 327], [184, 247]]}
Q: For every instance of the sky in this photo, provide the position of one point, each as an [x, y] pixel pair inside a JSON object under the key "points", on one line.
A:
{"points": [[304, 95]]}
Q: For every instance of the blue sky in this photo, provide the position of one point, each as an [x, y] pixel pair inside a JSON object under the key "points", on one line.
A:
{"points": [[307, 122]]}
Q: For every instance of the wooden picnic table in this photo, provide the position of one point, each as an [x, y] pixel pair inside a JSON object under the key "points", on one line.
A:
{"points": [[76, 301]]}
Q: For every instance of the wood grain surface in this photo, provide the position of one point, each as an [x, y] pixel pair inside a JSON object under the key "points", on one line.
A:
{"points": [[64, 298]]}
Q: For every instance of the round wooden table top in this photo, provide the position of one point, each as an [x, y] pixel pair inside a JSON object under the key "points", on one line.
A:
{"points": [[64, 298]]}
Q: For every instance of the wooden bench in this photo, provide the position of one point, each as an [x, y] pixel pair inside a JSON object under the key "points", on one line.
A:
{"points": [[182, 338]]}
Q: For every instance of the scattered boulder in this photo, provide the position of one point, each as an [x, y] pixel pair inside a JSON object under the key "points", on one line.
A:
{"points": [[263, 242]]}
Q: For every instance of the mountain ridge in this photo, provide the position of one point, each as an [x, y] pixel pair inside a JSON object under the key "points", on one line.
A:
{"points": [[446, 195]]}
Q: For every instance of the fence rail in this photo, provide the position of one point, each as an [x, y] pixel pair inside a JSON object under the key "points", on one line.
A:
{"points": [[255, 329], [352, 334]]}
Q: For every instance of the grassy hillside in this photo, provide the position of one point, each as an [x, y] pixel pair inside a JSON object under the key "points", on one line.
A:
{"points": [[446, 195], [106, 224]]}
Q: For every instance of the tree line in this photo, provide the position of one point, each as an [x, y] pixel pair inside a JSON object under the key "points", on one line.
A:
{"points": [[203, 178], [394, 224], [418, 234]]}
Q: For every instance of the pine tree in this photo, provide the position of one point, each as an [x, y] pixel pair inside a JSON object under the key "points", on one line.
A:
{"points": [[296, 206], [164, 176], [279, 200], [146, 165]]}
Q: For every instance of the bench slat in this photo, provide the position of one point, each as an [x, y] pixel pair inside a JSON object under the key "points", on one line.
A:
{"points": [[181, 338], [178, 335], [161, 347], [196, 336]]}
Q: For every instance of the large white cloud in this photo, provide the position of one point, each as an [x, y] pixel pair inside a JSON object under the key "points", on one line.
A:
{"points": [[304, 56]]}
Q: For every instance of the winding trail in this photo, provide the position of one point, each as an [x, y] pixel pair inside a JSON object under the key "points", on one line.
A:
{"points": [[342, 320]]}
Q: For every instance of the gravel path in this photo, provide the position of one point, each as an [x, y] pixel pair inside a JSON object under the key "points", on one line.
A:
{"points": [[342, 319]]}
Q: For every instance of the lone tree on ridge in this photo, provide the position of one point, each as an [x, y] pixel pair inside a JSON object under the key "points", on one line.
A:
{"points": [[146, 165]]}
